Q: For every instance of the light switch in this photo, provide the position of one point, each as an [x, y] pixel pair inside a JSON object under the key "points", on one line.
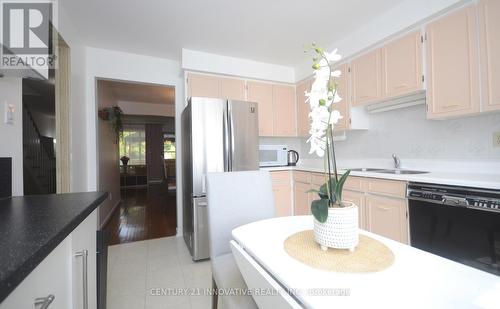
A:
{"points": [[9, 113]]}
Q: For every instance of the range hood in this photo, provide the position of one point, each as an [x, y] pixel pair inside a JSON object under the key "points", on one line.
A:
{"points": [[416, 98]]}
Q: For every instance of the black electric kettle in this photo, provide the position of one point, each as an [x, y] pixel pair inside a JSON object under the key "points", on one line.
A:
{"points": [[293, 157]]}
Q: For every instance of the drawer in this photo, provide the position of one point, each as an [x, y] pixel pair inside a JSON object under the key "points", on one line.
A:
{"points": [[280, 176], [318, 179], [304, 177], [354, 183], [386, 187]]}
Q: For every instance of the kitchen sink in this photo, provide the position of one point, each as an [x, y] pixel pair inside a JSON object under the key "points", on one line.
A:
{"points": [[387, 171], [402, 172]]}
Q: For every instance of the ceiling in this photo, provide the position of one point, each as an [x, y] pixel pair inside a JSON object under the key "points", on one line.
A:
{"points": [[137, 92], [263, 30]]}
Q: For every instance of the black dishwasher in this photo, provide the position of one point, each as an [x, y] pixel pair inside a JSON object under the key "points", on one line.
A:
{"points": [[458, 223]]}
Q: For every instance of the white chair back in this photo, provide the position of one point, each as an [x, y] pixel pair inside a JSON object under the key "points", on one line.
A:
{"points": [[257, 278], [235, 199]]}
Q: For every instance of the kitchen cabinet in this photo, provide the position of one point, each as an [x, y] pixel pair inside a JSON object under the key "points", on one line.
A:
{"points": [[402, 65], [387, 217], [366, 78], [302, 199], [303, 108], [452, 65], [262, 93], [232, 89], [284, 110], [282, 190], [61, 273], [344, 106], [357, 198], [203, 86], [489, 39]]}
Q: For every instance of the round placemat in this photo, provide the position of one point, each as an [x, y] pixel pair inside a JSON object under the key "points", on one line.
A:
{"points": [[370, 255]]}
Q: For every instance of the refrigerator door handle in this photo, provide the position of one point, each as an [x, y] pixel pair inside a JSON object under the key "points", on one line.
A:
{"points": [[231, 138], [227, 164]]}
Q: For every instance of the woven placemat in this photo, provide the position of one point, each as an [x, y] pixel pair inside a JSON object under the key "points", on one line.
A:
{"points": [[370, 255]]}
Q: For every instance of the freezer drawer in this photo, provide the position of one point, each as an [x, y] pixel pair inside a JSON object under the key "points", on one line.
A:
{"points": [[200, 233]]}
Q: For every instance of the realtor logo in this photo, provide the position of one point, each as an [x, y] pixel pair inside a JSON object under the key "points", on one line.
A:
{"points": [[26, 34], [26, 27]]}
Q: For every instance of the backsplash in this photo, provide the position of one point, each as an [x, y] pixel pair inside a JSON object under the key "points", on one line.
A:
{"points": [[407, 133]]}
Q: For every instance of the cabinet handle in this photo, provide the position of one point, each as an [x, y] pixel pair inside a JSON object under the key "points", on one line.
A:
{"points": [[84, 255], [401, 86], [383, 208], [451, 106], [44, 301]]}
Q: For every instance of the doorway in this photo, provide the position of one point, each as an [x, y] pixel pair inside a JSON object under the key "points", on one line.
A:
{"points": [[137, 166]]}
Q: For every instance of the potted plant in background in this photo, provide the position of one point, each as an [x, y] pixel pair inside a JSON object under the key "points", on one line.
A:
{"points": [[114, 115], [124, 160], [335, 220]]}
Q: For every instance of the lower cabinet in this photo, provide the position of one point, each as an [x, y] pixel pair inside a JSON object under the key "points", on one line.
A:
{"points": [[387, 217], [302, 199], [61, 274], [357, 198], [282, 190]]}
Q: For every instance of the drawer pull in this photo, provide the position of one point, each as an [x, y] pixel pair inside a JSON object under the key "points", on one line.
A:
{"points": [[84, 254], [383, 208], [44, 302]]}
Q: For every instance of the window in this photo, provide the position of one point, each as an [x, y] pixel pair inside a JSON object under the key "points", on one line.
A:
{"points": [[169, 148], [133, 145]]}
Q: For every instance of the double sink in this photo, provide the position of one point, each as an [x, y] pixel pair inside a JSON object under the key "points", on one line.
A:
{"points": [[388, 171]]}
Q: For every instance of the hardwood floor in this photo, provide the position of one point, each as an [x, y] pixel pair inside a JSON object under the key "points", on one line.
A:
{"points": [[144, 213]]}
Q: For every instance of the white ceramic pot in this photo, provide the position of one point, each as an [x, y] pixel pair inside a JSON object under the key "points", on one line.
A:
{"points": [[340, 231]]}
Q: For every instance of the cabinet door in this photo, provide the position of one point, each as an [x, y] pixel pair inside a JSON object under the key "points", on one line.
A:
{"points": [[51, 277], [366, 78], [387, 217], [452, 64], [357, 198], [489, 26], [84, 238], [302, 199], [303, 108], [203, 86], [262, 94], [282, 199], [343, 106], [284, 110], [402, 65], [232, 89]]}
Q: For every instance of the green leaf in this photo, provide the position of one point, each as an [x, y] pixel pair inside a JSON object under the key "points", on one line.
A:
{"points": [[323, 190], [322, 102], [319, 209], [340, 185], [316, 66]]}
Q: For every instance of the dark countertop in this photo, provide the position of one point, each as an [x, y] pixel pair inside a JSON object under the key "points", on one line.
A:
{"points": [[32, 226]]}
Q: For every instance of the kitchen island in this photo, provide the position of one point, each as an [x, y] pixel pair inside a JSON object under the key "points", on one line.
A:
{"points": [[32, 227]]}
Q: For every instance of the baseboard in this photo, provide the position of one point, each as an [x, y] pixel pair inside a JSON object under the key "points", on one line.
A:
{"points": [[110, 214]]}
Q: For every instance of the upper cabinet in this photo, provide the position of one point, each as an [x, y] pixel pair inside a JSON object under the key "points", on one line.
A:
{"points": [[343, 91], [452, 65], [366, 78], [303, 108], [215, 87], [489, 38], [203, 86], [284, 110], [262, 93], [402, 65], [232, 89]]}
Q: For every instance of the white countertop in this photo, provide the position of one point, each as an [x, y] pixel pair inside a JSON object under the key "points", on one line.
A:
{"points": [[477, 180], [417, 279]]}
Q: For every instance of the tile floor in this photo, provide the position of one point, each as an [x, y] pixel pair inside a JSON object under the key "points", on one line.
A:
{"points": [[137, 270]]}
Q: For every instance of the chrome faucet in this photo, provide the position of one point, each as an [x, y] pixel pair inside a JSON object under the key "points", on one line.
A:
{"points": [[397, 162]]}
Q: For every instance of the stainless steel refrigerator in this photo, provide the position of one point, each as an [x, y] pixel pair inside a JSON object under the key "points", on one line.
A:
{"points": [[217, 136]]}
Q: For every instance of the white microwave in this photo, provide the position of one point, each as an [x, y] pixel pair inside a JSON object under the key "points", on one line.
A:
{"points": [[273, 155]]}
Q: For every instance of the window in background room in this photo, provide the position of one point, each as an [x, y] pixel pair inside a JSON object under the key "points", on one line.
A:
{"points": [[169, 148], [133, 145]]}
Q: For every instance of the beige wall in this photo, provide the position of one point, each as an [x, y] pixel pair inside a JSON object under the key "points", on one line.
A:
{"points": [[149, 109], [109, 170]]}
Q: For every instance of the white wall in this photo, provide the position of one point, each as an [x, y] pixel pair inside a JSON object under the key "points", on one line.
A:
{"points": [[11, 135], [130, 67], [409, 134], [212, 63], [150, 109], [408, 14]]}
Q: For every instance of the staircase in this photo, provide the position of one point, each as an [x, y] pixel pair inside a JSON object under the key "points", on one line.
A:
{"points": [[39, 162]]}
